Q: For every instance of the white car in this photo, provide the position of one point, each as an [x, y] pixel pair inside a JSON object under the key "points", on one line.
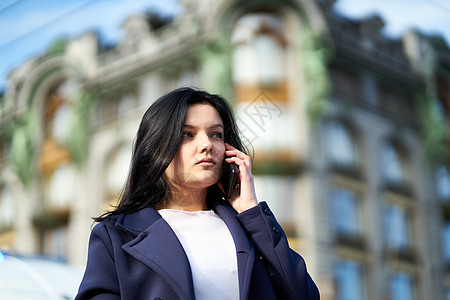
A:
{"points": [[37, 277]]}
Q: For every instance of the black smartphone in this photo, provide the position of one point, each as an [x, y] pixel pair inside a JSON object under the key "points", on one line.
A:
{"points": [[229, 178]]}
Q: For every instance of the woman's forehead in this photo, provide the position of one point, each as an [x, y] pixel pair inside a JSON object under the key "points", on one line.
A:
{"points": [[201, 115]]}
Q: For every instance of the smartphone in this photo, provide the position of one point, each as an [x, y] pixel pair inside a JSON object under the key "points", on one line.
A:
{"points": [[229, 177]]}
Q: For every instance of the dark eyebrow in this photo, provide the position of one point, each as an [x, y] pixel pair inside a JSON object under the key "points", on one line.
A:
{"points": [[214, 126]]}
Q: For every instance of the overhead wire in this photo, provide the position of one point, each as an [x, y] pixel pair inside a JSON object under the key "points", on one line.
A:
{"points": [[65, 14], [441, 4], [6, 7]]}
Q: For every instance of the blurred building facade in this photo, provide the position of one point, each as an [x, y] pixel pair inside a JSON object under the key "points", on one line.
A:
{"points": [[348, 129]]}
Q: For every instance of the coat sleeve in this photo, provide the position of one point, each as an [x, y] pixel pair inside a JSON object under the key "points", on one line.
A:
{"points": [[100, 279], [286, 268]]}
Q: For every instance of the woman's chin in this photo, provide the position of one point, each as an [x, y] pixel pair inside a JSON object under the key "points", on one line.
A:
{"points": [[205, 182]]}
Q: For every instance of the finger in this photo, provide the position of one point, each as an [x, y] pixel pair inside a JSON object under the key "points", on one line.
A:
{"points": [[237, 153], [241, 156], [231, 151], [244, 167], [234, 159]]}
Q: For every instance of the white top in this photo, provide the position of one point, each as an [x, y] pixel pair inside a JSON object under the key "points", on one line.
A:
{"points": [[211, 252]]}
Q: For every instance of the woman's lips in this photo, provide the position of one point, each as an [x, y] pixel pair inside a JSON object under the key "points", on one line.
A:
{"points": [[206, 162]]}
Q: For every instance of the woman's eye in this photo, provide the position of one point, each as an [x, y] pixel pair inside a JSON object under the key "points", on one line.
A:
{"points": [[217, 135], [186, 135]]}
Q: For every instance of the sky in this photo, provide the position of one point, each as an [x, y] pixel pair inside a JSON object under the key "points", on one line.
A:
{"points": [[427, 16], [28, 27]]}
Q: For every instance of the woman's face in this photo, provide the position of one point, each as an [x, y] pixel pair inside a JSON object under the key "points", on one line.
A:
{"points": [[198, 161]]}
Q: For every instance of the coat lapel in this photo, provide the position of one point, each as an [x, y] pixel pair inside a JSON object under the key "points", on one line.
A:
{"points": [[244, 247], [157, 246]]}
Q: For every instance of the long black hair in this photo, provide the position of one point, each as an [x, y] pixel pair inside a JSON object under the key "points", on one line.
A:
{"points": [[156, 143]]}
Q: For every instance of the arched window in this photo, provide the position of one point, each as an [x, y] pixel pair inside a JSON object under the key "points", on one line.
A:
{"points": [[260, 82], [394, 164], [57, 118], [259, 56], [57, 113], [62, 186], [57, 172], [341, 147]]}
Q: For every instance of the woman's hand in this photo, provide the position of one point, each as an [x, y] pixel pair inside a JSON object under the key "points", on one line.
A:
{"points": [[244, 197]]}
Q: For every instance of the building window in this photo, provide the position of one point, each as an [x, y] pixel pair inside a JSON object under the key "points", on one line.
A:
{"points": [[394, 165], [402, 287], [61, 186], [61, 123], [439, 109], [259, 56], [446, 242], [342, 148], [57, 118], [58, 173], [347, 84], [57, 113], [398, 228], [370, 89], [396, 102], [106, 110], [54, 242], [346, 213], [126, 105], [278, 191], [350, 280], [260, 48], [443, 183]]}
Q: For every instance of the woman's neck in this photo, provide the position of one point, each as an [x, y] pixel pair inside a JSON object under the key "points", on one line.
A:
{"points": [[185, 199]]}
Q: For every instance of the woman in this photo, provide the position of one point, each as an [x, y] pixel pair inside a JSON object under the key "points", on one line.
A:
{"points": [[173, 234]]}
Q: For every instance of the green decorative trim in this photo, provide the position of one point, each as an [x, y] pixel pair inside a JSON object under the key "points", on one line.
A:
{"points": [[57, 47], [433, 127], [23, 132], [313, 57], [276, 168], [215, 60], [80, 128]]}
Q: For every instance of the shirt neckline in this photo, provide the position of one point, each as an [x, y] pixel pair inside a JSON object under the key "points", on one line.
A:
{"points": [[210, 211]]}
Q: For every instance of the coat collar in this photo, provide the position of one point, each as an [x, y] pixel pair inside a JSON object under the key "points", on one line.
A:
{"points": [[157, 246]]}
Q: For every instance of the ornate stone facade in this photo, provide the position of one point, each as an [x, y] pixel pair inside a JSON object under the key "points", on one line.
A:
{"points": [[349, 131]]}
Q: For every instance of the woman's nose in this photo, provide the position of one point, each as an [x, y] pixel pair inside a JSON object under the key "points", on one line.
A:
{"points": [[205, 144]]}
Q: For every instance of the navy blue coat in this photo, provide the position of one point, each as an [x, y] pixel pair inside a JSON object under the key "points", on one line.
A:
{"points": [[138, 256]]}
